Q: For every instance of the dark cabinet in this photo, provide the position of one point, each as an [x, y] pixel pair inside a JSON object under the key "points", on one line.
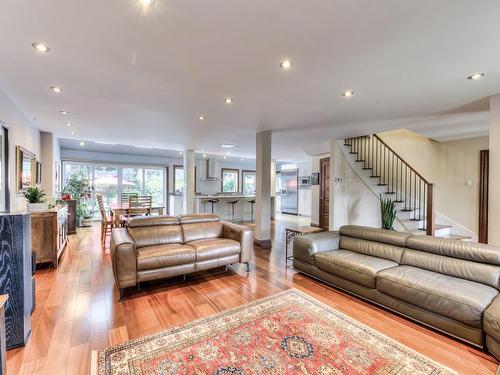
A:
{"points": [[71, 216]]}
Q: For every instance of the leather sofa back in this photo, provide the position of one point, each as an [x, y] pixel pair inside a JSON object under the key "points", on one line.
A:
{"points": [[202, 230], [380, 243], [466, 260], [154, 230]]}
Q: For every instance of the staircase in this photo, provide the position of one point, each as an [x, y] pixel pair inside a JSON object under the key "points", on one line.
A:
{"points": [[386, 173]]}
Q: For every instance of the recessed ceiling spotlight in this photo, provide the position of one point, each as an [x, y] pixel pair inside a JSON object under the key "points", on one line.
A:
{"points": [[204, 155], [72, 133], [147, 3], [286, 64], [225, 157], [476, 76], [82, 144], [201, 117], [68, 124], [241, 159], [227, 145], [64, 113], [229, 100], [202, 150], [348, 93], [41, 47], [56, 89], [180, 152]]}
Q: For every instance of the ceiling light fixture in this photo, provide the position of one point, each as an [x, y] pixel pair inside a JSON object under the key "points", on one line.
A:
{"points": [[204, 155], [68, 124], [241, 159], [180, 152], [201, 117], [202, 150], [229, 100], [56, 89], [348, 93], [225, 157], [41, 47], [227, 145], [72, 133], [82, 144], [64, 113], [147, 3], [286, 64], [476, 76]]}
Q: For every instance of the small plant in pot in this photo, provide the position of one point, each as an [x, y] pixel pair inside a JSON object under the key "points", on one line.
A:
{"points": [[387, 212], [36, 199]]}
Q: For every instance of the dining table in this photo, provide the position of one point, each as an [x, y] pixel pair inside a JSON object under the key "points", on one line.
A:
{"points": [[118, 209]]}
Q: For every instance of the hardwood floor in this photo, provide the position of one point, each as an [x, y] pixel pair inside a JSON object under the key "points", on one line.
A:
{"points": [[78, 311]]}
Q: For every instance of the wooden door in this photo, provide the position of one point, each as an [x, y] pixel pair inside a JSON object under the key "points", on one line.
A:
{"points": [[484, 164], [324, 192]]}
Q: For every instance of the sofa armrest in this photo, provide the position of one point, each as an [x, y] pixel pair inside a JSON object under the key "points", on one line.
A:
{"points": [[243, 235], [304, 247], [123, 258]]}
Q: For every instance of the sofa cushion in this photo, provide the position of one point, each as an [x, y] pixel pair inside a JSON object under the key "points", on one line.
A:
{"points": [[214, 248], [491, 319], [158, 256], [202, 230], [372, 248], [156, 235], [459, 299], [353, 266], [390, 237]]}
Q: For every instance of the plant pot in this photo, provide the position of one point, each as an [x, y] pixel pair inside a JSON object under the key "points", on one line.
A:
{"points": [[37, 207]]}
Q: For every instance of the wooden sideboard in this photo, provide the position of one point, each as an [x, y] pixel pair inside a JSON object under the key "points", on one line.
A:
{"points": [[49, 234]]}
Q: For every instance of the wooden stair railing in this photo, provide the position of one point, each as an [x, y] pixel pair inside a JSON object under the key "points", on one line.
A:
{"points": [[409, 188]]}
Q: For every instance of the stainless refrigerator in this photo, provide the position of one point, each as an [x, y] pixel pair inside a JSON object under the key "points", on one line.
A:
{"points": [[289, 192]]}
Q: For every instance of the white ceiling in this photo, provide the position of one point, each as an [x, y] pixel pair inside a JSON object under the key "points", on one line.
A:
{"points": [[136, 77]]}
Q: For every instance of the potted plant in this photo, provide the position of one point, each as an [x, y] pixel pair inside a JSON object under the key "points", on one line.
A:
{"points": [[77, 185], [387, 212], [36, 199]]}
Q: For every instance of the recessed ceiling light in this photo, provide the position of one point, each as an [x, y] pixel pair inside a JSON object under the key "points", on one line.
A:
{"points": [[348, 93], [180, 152], [68, 124], [72, 133], [286, 64], [147, 3], [476, 76], [225, 157], [204, 155], [241, 159], [82, 144], [201, 117], [202, 150], [229, 100], [64, 113], [41, 47], [227, 145], [56, 89]]}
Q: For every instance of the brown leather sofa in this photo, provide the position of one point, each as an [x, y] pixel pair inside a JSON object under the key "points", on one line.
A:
{"points": [[157, 247], [452, 286]]}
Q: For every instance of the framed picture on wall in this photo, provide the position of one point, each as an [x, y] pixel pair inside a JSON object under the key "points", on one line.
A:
{"points": [[25, 169], [315, 178]]}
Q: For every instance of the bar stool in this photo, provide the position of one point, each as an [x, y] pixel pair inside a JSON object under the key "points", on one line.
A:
{"points": [[213, 201], [232, 203], [252, 202]]}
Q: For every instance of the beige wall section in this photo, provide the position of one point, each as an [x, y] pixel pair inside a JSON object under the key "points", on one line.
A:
{"points": [[453, 166], [351, 201], [494, 197], [49, 154]]}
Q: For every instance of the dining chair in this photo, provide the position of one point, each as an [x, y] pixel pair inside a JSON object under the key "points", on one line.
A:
{"points": [[139, 205], [124, 197], [106, 221]]}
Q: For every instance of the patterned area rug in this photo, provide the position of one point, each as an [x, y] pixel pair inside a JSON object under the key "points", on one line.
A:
{"points": [[289, 333]]}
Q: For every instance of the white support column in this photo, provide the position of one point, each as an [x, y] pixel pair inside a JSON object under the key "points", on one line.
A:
{"points": [[494, 172], [263, 194], [331, 213], [189, 182]]}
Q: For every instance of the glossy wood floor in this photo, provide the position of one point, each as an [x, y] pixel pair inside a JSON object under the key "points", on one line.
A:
{"points": [[77, 310]]}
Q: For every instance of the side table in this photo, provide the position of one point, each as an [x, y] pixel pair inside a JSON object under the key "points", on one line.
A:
{"points": [[290, 233]]}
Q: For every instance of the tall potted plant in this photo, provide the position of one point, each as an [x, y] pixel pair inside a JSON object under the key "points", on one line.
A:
{"points": [[387, 212], [36, 199], [77, 185]]}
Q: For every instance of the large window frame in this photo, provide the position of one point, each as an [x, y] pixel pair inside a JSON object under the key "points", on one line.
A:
{"points": [[181, 167], [243, 173], [237, 183], [120, 167]]}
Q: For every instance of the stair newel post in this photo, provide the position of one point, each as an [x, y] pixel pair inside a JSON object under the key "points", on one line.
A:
{"points": [[431, 220]]}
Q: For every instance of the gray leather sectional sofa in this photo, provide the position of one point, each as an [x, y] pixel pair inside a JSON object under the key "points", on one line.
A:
{"points": [[452, 286]]}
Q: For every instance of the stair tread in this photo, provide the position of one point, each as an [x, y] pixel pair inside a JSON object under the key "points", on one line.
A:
{"points": [[452, 236]]}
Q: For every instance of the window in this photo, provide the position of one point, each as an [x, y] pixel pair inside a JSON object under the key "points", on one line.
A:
{"points": [[178, 179], [113, 180], [229, 180], [248, 182]]}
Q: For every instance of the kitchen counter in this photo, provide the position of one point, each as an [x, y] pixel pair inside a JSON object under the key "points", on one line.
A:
{"points": [[225, 196]]}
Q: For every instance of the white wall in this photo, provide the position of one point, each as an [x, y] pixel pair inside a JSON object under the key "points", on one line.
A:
{"points": [[21, 133], [50, 153], [494, 172]]}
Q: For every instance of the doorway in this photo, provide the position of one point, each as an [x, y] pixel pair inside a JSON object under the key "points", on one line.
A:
{"points": [[484, 165], [324, 193]]}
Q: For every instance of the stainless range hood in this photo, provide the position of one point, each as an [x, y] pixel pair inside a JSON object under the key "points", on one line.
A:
{"points": [[210, 173]]}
